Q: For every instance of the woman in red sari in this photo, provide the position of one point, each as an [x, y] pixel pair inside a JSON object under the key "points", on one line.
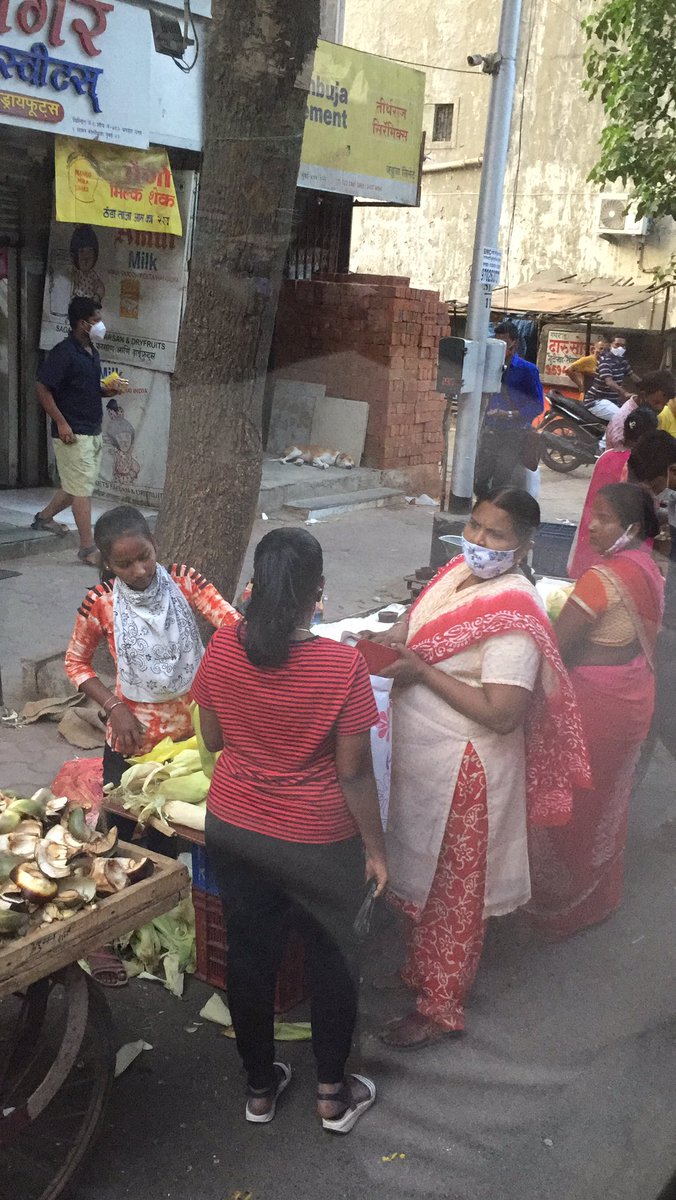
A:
{"points": [[610, 468], [606, 632], [481, 698]]}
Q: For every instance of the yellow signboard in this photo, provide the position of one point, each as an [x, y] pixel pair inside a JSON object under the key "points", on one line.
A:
{"points": [[363, 126], [114, 186]]}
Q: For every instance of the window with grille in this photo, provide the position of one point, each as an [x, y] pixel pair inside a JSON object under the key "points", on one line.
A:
{"points": [[443, 123]]}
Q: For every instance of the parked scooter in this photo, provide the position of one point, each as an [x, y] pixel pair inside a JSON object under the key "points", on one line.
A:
{"points": [[569, 434]]}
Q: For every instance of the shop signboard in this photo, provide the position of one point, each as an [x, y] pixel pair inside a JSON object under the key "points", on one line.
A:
{"points": [[115, 186], [135, 442], [139, 276], [363, 126], [77, 67], [564, 346]]}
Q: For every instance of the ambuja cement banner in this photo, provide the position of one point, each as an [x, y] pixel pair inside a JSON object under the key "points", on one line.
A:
{"points": [[138, 277], [363, 126]]}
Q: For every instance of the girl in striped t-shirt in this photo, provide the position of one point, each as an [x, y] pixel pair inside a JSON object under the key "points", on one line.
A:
{"points": [[292, 814]]}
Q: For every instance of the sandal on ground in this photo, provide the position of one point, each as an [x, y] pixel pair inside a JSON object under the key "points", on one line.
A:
{"points": [[107, 969], [352, 1109], [90, 556], [49, 525], [414, 1031], [271, 1094]]}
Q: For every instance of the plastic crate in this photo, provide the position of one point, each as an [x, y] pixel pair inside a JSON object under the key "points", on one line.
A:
{"points": [[211, 954], [201, 878], [552, 548]]}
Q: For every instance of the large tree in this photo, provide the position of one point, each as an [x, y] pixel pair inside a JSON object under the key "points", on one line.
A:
{"points": [[254, 118], [630, 67]]}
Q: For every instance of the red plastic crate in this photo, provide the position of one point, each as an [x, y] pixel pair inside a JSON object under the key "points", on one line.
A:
{"points": [[211, 945]]}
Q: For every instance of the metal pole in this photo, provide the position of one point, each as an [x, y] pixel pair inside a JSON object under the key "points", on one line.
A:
{"points": [[486, 238]]}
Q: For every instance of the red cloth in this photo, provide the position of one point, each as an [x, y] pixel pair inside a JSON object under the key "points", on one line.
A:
{"points": [[577, 872], [444, 946], [277, 773], [80, 780], [610, 468], [556, 757]]}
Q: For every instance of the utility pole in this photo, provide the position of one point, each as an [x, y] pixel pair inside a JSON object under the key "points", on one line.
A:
{"points": [[486, 257]]}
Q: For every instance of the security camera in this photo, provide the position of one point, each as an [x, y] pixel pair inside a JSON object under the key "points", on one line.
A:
{"points": [[475, 60]]}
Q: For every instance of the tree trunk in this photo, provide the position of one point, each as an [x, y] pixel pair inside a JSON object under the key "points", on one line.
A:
{"points": [[254, 118]]}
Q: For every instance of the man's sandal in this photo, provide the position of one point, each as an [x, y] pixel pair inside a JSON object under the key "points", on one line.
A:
{"points": [[352, 1109], [283, 1074], [49, 525]]}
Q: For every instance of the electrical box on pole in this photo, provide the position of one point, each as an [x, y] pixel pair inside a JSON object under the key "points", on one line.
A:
{"points": [[458, 369]]}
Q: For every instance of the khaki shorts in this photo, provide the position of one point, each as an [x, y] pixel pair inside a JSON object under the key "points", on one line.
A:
{"points": [[79, 464]]}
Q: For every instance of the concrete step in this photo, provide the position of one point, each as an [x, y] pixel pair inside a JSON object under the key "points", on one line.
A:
{"points": [[282, 482], [337, 504]]}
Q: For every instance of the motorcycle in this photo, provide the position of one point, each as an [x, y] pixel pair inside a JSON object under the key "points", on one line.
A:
{"points": [[569, 434]]}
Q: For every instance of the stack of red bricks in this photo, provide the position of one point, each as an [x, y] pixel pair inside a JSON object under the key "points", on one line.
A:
{"points": [[372, 338]]}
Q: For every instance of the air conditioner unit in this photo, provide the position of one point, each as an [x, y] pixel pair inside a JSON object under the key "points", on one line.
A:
{"points": [[617, 219]]}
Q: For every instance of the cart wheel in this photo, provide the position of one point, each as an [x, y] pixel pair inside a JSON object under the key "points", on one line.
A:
{"points": [[57, 1056]]}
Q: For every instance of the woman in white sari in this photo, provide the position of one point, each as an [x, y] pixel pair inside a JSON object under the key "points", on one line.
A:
{"points": [[486, 737]]}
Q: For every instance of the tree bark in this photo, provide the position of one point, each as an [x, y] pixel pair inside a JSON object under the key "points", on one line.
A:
{"points": [[254, 118]]}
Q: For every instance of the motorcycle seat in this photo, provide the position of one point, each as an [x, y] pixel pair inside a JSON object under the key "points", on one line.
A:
{"points": [[574, 407]]}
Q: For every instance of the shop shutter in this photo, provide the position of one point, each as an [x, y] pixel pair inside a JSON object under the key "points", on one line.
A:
{"points": [[10, 220]]}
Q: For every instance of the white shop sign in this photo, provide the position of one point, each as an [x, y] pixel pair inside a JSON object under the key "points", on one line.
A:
{"points": [[77, 67]]}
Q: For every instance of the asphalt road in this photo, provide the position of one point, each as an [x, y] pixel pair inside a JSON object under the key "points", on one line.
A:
{"points": [[563, 1088]]}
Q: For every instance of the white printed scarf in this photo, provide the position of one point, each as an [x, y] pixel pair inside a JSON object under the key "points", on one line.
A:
{"points": [[157, 642]]}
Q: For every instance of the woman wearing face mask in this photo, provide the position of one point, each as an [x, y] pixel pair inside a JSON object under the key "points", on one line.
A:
{"points": [[481, 695], [606, 632]]}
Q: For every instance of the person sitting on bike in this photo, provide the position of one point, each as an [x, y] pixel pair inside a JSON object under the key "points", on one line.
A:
{"points": [[607, 390], [583, 370]]}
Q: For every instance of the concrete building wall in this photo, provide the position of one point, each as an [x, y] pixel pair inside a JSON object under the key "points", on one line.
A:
{"points": [[550, 212]]}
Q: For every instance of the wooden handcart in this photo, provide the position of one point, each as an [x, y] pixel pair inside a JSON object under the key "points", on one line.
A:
{"points": [[57, 1053]]}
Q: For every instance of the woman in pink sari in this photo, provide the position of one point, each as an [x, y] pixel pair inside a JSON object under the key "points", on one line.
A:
{"points": [[606, 632], [611, 467], [486, 739]]}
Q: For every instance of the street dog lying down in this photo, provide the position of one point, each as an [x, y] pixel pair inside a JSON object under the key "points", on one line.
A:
{"points": [[317, 456]]}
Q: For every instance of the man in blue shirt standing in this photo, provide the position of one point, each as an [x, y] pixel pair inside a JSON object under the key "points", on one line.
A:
{"points": [[70, 390], [508, 419]]}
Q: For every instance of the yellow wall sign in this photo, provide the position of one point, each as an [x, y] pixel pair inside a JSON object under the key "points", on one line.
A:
{"points": [[114, 186], [363, 126]]}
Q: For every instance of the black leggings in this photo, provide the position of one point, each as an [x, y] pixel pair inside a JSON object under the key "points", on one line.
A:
{"points": [[114, 767], [266, 886]]}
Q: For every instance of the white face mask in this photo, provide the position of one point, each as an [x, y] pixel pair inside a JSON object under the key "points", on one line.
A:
{"points": [[97, 332], [625, 539], [485, 563], [618, 351]]}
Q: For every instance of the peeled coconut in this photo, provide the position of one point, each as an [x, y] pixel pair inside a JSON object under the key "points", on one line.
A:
{"points": [[35, 887]]}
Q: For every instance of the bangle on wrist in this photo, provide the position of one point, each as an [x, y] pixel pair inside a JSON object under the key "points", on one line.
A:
{"points": [[114, 705]]}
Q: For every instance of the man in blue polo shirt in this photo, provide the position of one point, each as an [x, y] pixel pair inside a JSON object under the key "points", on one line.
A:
{"points": [[69, 389], [508, 419]]}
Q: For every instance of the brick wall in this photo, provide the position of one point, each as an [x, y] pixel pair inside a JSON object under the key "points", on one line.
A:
{"points": [[372, 338]]}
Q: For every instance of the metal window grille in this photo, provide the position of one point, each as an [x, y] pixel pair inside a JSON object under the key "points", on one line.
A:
{"points": [[443, 123], [320, 234]]}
